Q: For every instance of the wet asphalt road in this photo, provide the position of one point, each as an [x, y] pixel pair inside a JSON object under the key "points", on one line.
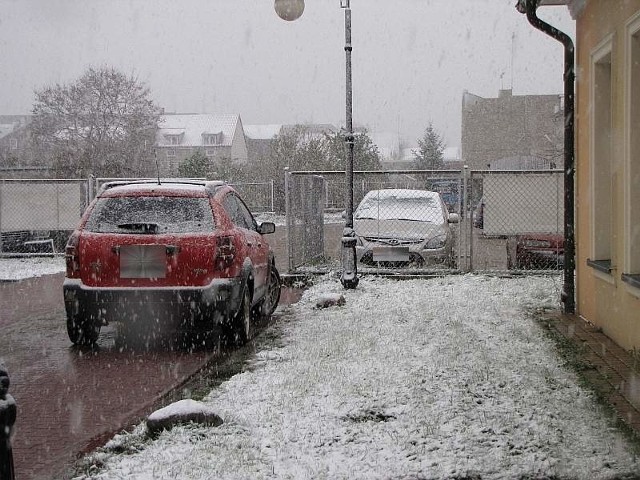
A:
{"points": [[71, 400]]}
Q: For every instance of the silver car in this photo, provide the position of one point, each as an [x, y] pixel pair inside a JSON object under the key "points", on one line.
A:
{"points": [[401, 226]]}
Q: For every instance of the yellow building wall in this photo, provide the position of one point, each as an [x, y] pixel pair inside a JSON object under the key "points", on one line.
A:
{"points": [[602, 299]]}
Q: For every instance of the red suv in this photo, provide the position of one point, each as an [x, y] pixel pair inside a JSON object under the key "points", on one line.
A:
{"points": [[169, 256]]}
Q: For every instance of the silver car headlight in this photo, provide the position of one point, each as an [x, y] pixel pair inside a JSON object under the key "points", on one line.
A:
{"points": [[436, 242]]}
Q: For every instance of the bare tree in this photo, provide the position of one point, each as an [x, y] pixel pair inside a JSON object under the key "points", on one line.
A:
{"points": [[365, 153], [102, 124]]}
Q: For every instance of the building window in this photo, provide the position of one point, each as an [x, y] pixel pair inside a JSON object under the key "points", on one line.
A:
{"points": [[632, 188], [13, 143], [601, 159], [210, 152], [212, 138], [171, 152], [173, 139]]}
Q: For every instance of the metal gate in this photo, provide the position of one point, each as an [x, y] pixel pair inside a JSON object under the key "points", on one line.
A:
{"points": [[505, 220], [428, 243]]}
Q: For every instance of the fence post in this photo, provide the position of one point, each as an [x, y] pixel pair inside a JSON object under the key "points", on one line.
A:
{"points": [[7, 420], [287, 216], [468, 192], [273, 202], [1, 192]]}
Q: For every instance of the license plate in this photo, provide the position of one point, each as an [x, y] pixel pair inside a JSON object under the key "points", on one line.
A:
{"points": [[390, 254], [143, 261]]}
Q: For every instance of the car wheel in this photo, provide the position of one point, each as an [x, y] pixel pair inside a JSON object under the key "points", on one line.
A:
{"points": [[272, 297], [81, 331], [242, 329]]}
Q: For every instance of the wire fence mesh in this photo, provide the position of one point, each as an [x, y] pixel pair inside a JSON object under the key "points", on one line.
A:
{"points": [[36, 216], [499, 220], [399, 221], [517, 220], [305, 219]]}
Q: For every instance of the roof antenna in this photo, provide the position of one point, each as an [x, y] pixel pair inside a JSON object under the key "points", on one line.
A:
{"points": [[155, 156]]}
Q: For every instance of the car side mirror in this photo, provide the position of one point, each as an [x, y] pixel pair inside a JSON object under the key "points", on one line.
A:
{"points": [[266, 227], [454, 218]]}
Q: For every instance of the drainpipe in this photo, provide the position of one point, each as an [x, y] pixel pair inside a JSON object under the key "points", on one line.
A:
{"points": [[568, 291]]}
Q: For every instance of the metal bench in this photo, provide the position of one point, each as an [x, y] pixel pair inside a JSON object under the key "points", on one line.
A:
{"points": [[41, 241]]}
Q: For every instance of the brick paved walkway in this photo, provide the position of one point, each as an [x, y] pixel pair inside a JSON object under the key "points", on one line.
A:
{"points": [[614, 372]]}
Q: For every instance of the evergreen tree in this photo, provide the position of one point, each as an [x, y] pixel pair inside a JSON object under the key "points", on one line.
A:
{"points": [[430, 154]]}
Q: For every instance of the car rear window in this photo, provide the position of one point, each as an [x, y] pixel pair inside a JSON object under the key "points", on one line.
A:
{"points": [[151, 215]]}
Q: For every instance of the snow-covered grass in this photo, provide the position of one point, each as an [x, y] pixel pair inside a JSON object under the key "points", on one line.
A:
{"points": [[428, 378], [27, 267]]}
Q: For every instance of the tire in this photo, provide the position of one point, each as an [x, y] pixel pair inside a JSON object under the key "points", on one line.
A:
{"points": [[272, 297], [81, 331], [242, 328]]}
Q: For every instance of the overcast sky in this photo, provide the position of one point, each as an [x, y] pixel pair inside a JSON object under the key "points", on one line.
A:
{"points": [[412, 59]]}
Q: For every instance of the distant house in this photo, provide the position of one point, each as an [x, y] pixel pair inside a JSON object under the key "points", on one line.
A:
{"points": [[14, 136], [259, 138], [315, 130], [512, 126], [17, 154], [218, 136]]}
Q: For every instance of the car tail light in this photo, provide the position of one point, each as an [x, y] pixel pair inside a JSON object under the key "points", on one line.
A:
{"points": [[72, 256], [225, 252]]}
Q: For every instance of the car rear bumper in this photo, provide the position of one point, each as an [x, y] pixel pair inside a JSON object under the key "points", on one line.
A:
{"points": [[179, 308]]}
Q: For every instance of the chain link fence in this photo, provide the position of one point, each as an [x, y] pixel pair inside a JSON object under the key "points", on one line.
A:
{"points": [[503, 220], [517, 220], [37, 216], [399, 222], [499, 221], [304, 203]]}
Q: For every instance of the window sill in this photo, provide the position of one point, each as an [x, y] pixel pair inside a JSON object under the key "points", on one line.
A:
{"points": [[631, 279], [603, 266]]}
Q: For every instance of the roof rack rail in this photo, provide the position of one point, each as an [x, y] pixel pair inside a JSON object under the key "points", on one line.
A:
{"points": [[143, 181]]}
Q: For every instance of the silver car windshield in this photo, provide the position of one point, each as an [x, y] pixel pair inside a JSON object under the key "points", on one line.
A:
{"points": [[415, 209], [151, 215]]}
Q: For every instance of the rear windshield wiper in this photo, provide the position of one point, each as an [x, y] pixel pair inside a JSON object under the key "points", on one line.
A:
{"points": [[140, 227]]}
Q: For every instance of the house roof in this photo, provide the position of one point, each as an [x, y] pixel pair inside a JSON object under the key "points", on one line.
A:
{"points": [[262, 132], [191, 127]]}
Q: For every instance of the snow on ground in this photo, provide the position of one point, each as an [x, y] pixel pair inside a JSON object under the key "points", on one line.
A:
{"points": [[427, 378], [27, 267]]}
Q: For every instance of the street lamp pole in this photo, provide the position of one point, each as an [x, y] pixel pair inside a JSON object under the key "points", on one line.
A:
{"points": [[292, 10], [349, 276]]}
